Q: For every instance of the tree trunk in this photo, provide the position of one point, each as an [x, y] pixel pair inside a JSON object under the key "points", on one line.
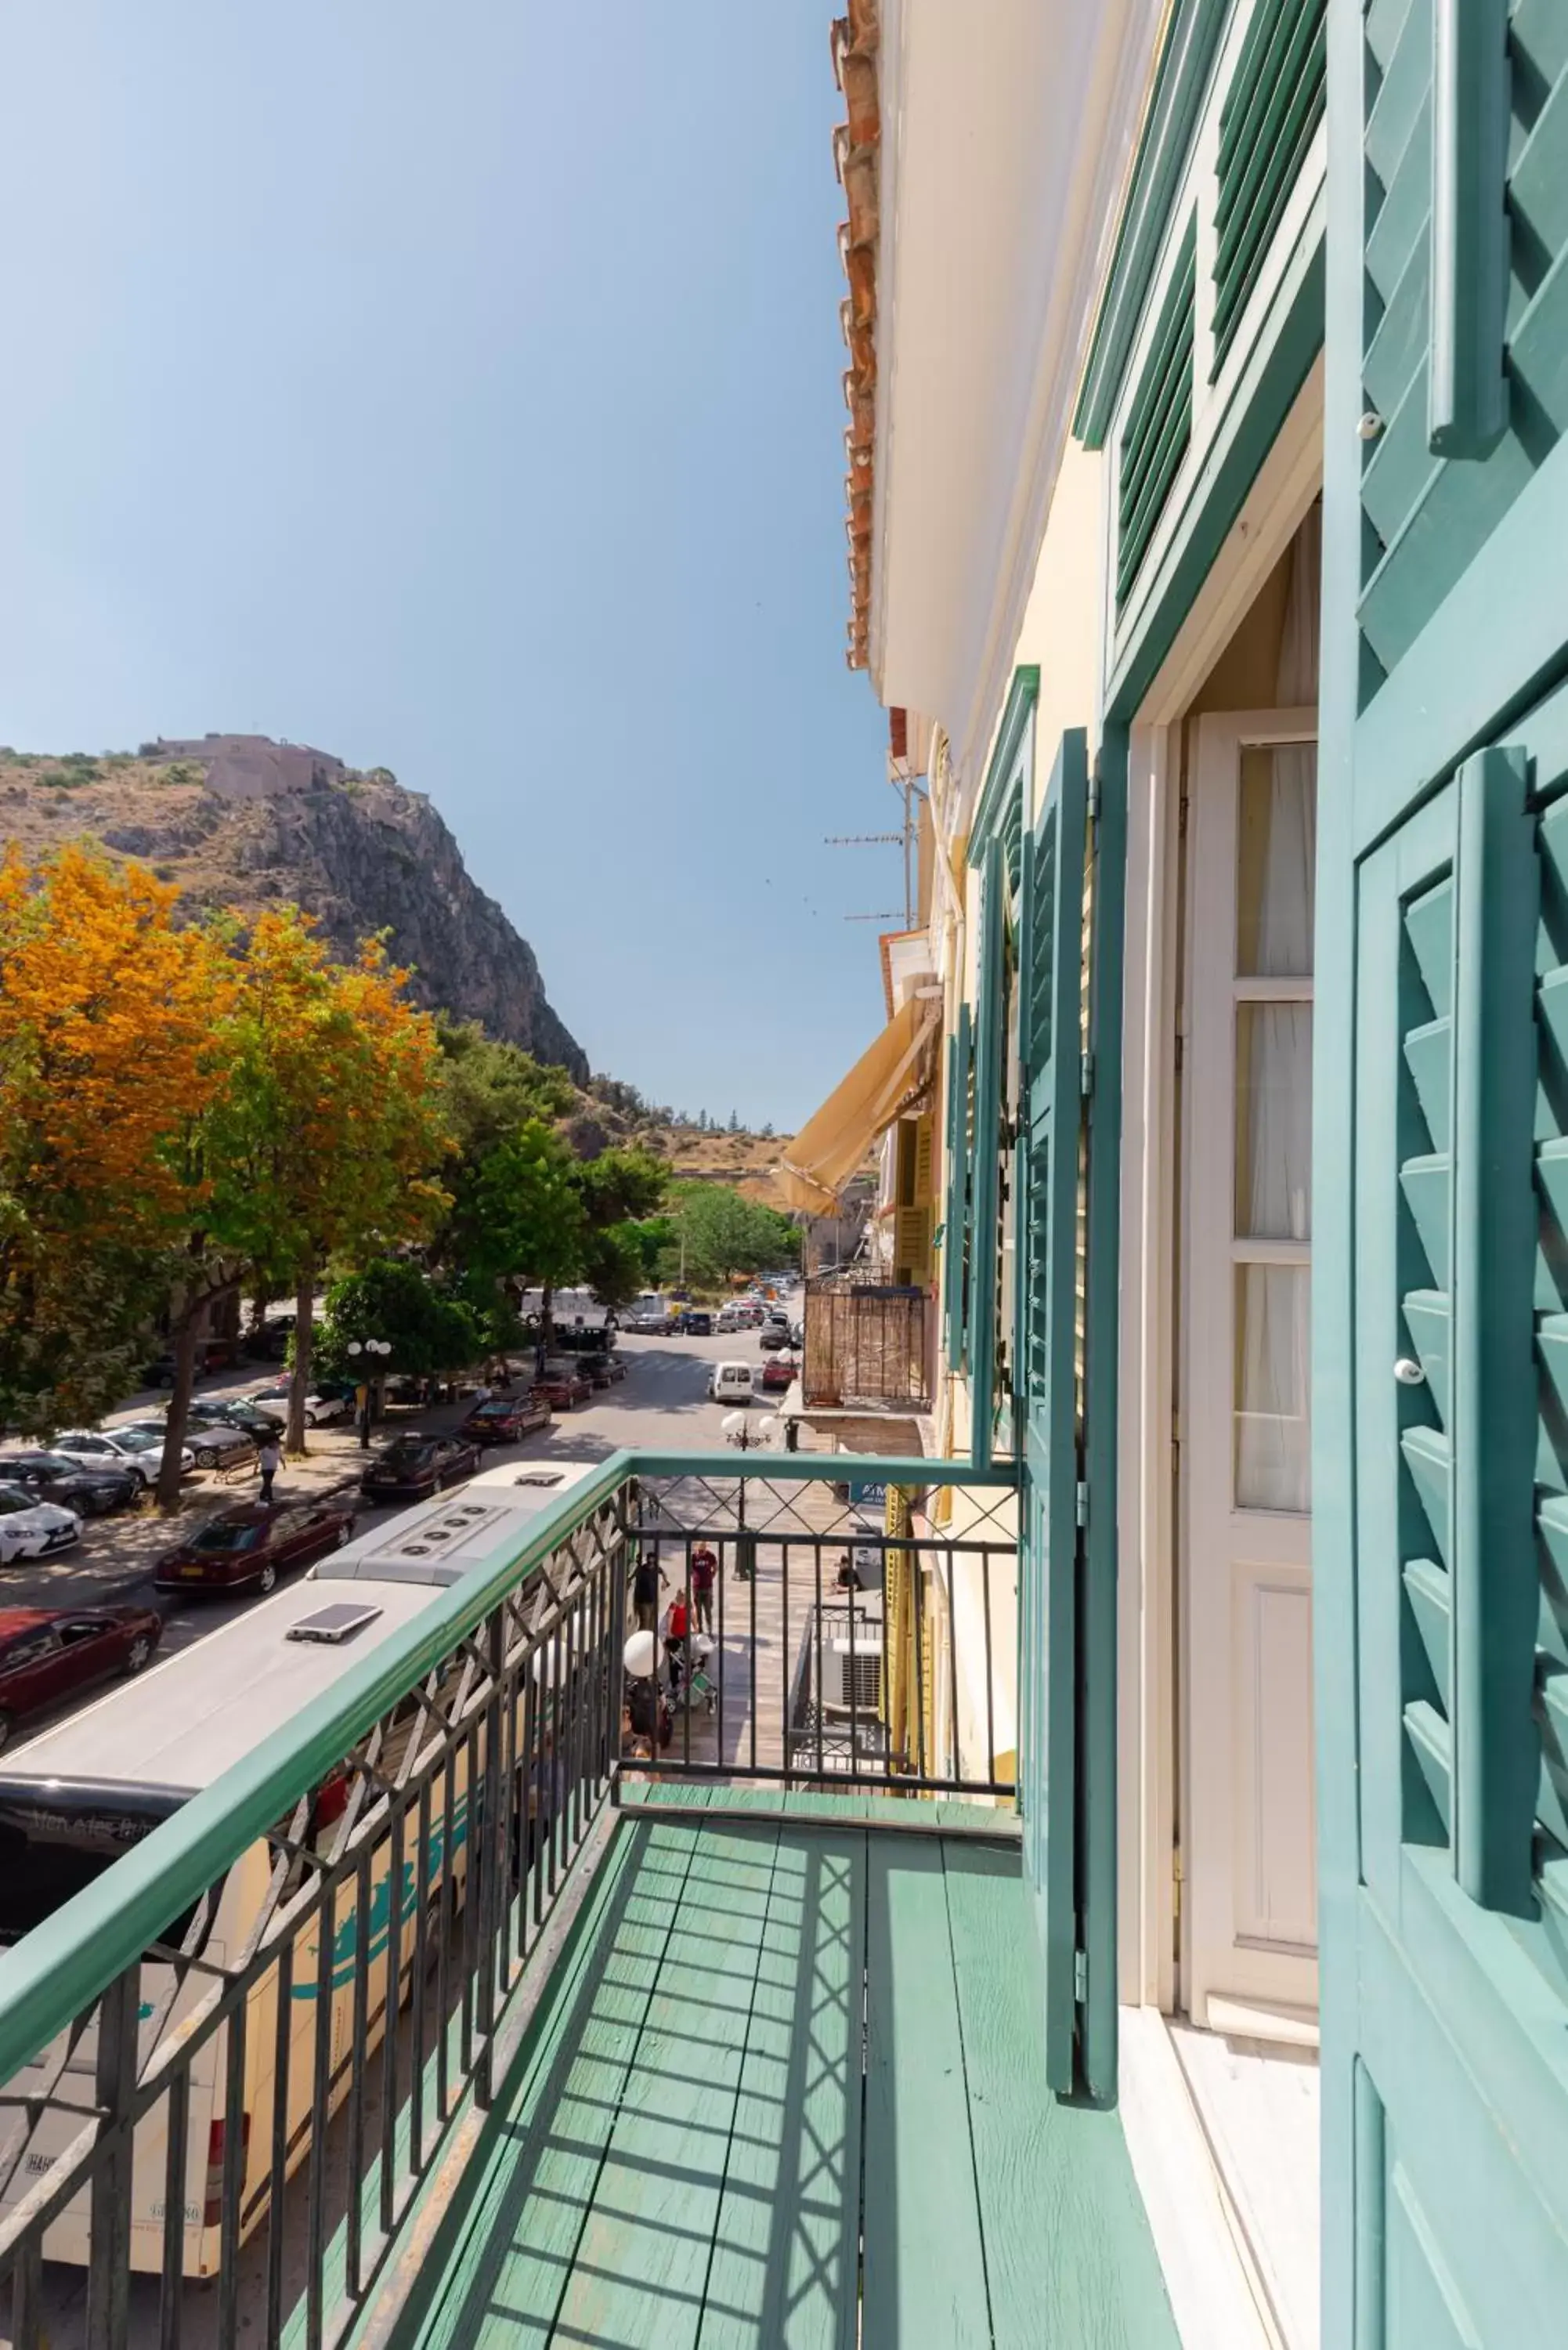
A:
{"points": [[304, 1331], [169, 1468], [546, 1321]]}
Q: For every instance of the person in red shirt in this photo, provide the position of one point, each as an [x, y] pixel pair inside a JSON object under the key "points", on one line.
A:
{"points": [[675, 1631]]}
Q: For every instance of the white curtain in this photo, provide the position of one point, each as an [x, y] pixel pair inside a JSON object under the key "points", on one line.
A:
{"points": [[1277, 841]]}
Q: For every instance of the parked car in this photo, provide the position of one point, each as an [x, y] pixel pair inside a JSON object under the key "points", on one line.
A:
{"points": [[415, 1465], [212, 1445], [138, 1449], [48, 1654], [797, 1334], [254, 1542], [33, 1529], [137, 1444], [504, 1420], [747, 1310], [325, 1401], [212, 1354], [697, 1321], [54, 1477], [732, 1383], [773, 1336], [563, 1387], [778, 1372], [613, 1367], [242, 1413]]}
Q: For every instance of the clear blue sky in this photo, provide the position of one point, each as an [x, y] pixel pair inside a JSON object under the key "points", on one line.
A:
{"points": [[457, 389]]}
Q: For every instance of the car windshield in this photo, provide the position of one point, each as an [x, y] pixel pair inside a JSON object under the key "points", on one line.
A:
{"points": [[137, 1440], [407, 1451], [500, 1409], [223, 1540], [13, 1499]]}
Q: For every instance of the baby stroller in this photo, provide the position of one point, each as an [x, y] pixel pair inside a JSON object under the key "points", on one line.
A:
{"points": [[694, 1684]]}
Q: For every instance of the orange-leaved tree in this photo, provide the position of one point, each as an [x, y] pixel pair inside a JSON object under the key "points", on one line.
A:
{"points": [[327, 1139], [110, 1017]]}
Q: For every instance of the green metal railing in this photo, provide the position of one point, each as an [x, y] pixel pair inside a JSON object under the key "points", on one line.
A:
{"points": [[470, 1755]]}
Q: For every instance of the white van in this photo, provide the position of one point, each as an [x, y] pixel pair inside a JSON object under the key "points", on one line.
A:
{"points": [[73, 1798], [732, 1383]]}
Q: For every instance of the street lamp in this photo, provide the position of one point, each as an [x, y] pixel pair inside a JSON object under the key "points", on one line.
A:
{"points": [[368, 1347], [747, 1436]]}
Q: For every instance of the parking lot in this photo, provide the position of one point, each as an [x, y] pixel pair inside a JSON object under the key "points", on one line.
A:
{"points": [[662, 1402]]}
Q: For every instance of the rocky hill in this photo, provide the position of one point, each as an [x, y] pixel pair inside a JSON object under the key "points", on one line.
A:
{"points": [[240, 820]]}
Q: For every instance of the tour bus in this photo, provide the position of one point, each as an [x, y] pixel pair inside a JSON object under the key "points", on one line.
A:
{"points": [[75, 1797]]}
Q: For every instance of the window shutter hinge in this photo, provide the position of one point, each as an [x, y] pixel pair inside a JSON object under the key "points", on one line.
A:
{"points": [[1087, 1075], [1081, 1976], [1181, 808], [1180, 1048], [1082, 1502]]}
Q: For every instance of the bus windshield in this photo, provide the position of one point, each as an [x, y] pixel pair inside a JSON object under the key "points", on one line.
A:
{"points": [[57, 1836]]}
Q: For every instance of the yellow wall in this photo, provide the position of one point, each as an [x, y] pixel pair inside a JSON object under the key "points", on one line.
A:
{"points": [[1061, 621]]}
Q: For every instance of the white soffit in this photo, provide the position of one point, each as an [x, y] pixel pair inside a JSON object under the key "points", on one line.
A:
{"points": [[1007, 132]]}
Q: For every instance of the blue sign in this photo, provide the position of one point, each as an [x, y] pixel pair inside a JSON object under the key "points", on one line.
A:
{"points": [[875, 1492]]}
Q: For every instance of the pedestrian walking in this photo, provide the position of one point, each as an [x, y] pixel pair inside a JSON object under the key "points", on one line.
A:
{"points": [[704, 1568], [645, 1585], [270, 1461], [675, 1631]]}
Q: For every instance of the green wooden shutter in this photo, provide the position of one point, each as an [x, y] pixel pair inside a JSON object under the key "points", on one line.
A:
{"points": [[1160, 421], [1427, 517], [1267, 122], [990, 1013], [1049, 1562], [955, 1241], [1440, 1203]]}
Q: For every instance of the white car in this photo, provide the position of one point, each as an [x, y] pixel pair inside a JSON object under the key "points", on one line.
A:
{"points": [[30, 1529], [730, 1383], [119, 1448], [319, 1409]]}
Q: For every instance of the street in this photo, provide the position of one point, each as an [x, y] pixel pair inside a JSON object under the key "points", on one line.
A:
{"points": [[661, 1403]]}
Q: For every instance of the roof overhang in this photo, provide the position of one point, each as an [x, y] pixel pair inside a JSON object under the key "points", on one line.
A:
{"points": [[1001, 164]]}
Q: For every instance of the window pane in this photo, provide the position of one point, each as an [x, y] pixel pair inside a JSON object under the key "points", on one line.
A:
{"points": [[1274, 1348], [1276, 848], [1274, 1121]]}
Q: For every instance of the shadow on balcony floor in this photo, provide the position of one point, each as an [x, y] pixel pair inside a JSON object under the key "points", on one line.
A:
{"points": [[783, 2066]]}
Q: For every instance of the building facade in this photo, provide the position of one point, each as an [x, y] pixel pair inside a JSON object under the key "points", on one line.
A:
{"points": [[1207, 371]]}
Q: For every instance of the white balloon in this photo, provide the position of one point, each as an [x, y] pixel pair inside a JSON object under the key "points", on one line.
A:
{"points": [[639, 1655]]}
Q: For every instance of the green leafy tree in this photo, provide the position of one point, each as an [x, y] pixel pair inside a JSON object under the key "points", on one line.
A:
{"points": [[430, 1333], [720, 1233]]}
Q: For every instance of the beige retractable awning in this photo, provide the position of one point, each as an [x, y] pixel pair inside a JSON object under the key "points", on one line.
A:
{"points": [[832, 1146]]}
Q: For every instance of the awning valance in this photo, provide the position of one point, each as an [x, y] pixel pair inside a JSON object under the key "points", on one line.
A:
{"points": [[831, 1147]]}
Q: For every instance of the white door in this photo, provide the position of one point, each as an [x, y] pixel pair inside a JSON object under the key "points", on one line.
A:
{"points": [[1250, 1894]]}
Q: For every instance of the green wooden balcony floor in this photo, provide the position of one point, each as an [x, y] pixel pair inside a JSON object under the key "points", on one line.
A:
{"points": [[786, 2067]]}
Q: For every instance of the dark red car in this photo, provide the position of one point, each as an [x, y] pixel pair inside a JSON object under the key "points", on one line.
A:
{"points": [[502, 1420], [562, 1388], [778, 1372], [48, 1654], [414, 1466], [253, 1542]]}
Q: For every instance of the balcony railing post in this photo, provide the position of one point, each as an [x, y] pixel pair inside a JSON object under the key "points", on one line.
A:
{"points": [[109, 2205]]}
